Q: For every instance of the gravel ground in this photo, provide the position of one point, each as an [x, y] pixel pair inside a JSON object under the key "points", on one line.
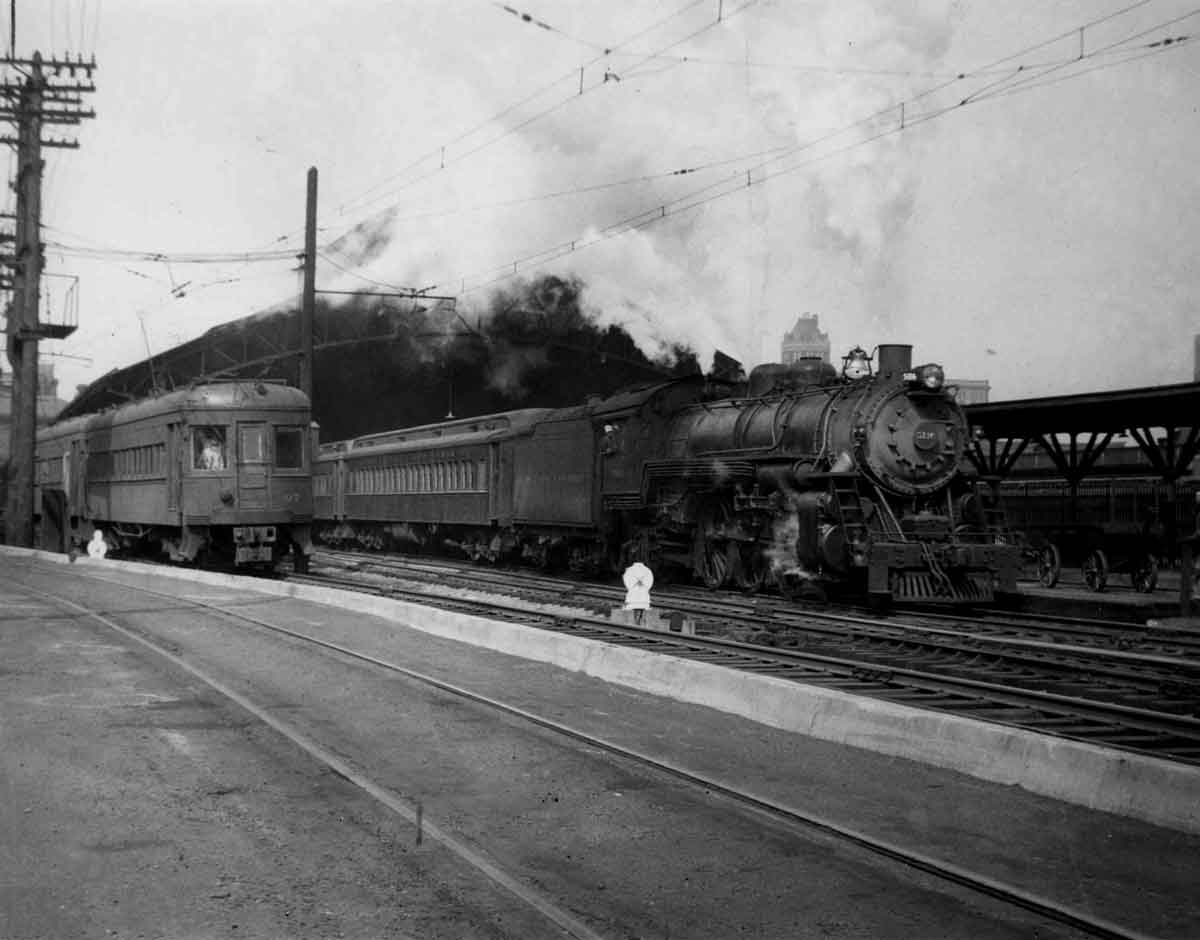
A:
{"points": [[137, 803]]}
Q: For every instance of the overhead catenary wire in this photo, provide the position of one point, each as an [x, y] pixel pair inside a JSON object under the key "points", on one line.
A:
{"points": [[1039, 81], [542, 24], [747, 178], [984, 70], [1112, 48], [362, 277], [361, 202], [500, 115], [287, 254], [1012, 85], [131, 254], [586, 188]]}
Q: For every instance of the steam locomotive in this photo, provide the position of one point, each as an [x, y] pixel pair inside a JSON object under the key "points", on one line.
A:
{"points": [[219, 471], [801, 478]]}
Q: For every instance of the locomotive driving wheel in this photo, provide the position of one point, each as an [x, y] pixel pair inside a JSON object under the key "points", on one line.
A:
{"points": [[751, 573], [1049, 565], [1144, 574], [1095, 570], [716, 565]]}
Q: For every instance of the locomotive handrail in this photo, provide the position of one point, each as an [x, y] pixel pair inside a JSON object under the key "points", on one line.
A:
{"points": [[896, 528]]}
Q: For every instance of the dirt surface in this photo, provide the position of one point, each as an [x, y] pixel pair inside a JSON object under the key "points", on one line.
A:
{"points": [[146, 789], [136, 803]]}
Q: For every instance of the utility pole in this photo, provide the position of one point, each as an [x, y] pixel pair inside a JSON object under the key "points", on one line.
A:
{"points": [[308, 300], [38, 100]]}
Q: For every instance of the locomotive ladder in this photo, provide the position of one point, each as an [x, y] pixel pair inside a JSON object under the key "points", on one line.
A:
{"points": [[849, 505]]}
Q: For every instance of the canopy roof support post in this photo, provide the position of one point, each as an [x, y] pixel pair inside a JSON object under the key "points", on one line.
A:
{"points": [[1171, 457]]}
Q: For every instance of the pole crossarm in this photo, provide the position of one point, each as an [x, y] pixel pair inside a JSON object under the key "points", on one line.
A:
{"points": [[47, 115]]}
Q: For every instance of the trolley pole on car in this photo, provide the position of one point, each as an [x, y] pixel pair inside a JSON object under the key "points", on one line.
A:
{"points": [[30, 104], [308, 299]]}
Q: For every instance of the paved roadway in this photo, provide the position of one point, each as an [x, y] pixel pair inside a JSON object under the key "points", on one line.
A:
{"points": [[140, 802]]}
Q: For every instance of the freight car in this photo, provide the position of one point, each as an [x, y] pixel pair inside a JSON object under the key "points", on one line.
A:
{"points": [[1120, 522], [216, 472], [802, 478]]}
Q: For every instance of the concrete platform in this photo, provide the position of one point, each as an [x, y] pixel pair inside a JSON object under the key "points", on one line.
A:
{"points": [[1117, 602], [909, 777]]}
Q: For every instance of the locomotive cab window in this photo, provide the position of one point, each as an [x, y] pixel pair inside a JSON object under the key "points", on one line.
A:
{"points": [[208, 448], [289, 448], [252, 444]]}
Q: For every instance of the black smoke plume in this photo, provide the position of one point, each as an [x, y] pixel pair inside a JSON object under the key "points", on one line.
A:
{"points": [[530, 346], [383, 363]]}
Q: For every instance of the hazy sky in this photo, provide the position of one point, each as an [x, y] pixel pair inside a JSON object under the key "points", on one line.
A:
{"points": [[1042, 235]]}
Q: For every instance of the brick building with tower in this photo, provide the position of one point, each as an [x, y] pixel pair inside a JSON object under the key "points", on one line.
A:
{"points": [[804, 341]]}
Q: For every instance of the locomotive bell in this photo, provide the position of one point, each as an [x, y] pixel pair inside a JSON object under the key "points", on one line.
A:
{"points": [[856, 364]]}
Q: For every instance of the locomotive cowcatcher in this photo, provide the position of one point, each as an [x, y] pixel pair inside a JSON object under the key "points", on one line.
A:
{"points": [[218, 472], [802, 478]]}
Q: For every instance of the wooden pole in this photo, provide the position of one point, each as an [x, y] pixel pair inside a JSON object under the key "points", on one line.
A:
{"points": [[308, 300], [23, 314]]}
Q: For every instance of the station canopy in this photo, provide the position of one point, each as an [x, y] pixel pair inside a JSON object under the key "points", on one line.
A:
{"points": [[1075, 429]]}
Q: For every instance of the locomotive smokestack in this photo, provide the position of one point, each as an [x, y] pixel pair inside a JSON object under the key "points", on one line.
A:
{"points": [[894, 359]]}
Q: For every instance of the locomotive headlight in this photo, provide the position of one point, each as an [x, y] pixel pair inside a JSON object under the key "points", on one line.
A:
{"points": [[930, 376]]}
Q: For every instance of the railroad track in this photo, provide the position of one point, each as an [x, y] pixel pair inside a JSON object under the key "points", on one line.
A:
{"points": [[777, 815], [1143, 702], [717, 612]]}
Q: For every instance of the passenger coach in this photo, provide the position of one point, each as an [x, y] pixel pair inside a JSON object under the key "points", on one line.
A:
{"points": [[218, 471], [446, 485]]}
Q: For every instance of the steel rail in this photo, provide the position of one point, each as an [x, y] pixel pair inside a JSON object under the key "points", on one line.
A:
{"points": [[861, 622], [412, 812], [782, 655]]}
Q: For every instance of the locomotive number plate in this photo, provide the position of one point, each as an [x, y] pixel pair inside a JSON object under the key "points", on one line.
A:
{"points": [[927, 436], [252, 553]]}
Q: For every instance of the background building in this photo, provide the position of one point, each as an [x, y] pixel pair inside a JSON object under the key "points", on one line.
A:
{"points": [[804, 341], [970, 391], [48, 406]]}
